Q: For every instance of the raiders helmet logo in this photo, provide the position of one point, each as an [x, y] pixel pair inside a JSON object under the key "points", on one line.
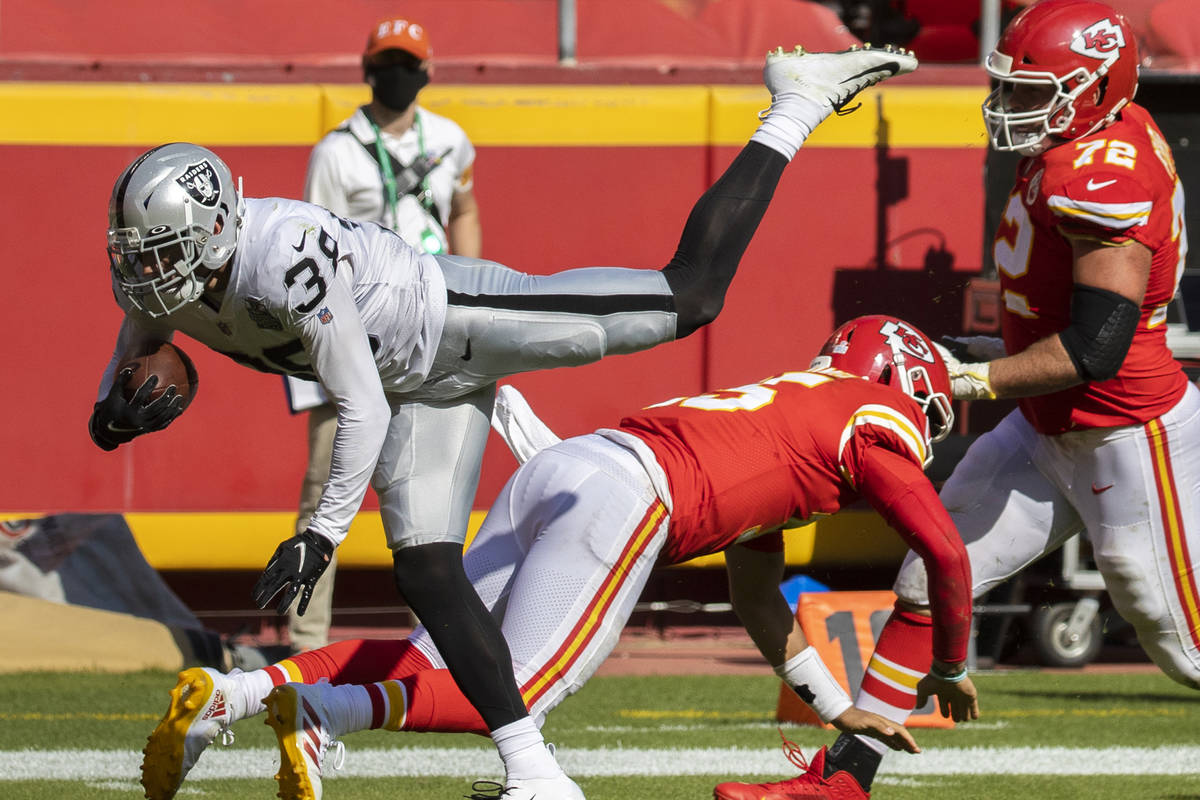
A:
{"points": [[1102, 40], [201, 183], [903, 339]]}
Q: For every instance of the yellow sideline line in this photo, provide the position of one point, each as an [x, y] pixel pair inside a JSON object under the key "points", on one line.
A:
{"points": [[134, 114]]}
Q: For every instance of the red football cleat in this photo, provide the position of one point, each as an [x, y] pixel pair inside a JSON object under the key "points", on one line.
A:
{"points": [[810, 783]]}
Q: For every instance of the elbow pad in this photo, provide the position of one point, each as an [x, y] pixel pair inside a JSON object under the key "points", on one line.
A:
{"points": [[1101, 330]]}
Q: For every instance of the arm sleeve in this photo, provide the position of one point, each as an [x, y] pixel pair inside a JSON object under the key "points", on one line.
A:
{"points": [[904, 497], [340, 353]]}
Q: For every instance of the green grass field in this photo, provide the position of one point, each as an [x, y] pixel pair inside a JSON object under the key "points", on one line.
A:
{"points": [[1093, 737]]}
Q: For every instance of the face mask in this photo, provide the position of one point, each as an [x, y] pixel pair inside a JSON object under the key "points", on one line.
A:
{"points": [[396, 86]]}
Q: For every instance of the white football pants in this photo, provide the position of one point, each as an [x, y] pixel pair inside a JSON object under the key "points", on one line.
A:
{"points": [[499, 322], [1018, 495], [561, 560]]}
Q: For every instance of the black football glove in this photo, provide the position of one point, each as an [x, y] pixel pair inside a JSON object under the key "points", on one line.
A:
{"points": [[116, 420], [296, 565]]}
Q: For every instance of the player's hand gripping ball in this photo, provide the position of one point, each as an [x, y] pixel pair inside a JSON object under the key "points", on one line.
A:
{"points": [[167, 364], [149, 390]]}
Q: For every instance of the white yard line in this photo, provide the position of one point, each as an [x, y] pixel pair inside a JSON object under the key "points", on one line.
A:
{"points": [[729, 762]]}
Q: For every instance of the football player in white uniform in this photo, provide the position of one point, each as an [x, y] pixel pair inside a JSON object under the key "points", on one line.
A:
{"points": [[397, 163], [409, 347]]}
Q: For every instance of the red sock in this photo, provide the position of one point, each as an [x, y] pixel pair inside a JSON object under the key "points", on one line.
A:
{"points": [[435, 703], [352, 661], [902, 657]]}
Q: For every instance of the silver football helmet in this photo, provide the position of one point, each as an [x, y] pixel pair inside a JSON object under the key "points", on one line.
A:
{"points": [[173, 219]]}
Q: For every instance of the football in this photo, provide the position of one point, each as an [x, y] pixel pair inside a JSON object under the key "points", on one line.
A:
{"points": [[169, 363]]}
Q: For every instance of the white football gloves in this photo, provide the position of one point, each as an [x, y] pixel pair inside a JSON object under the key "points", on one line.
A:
{"points": [[969, 379]]}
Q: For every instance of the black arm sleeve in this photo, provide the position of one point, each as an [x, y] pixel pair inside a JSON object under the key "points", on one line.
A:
{"points": [[1101, 330]]}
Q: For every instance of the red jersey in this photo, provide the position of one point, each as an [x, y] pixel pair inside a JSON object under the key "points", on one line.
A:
{"points": [[742, 462], [1116, 185]]}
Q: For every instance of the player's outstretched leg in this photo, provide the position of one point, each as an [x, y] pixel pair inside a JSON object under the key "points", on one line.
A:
{"points": [[200, 709], [805, 89], [303, 728], [808, 87]]}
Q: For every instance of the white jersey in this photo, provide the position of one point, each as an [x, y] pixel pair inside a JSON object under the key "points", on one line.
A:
{"points": [[344, 173], [317, 296], [344, 176]]}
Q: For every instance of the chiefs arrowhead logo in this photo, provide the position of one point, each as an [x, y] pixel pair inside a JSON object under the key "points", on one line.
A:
{"points": [[903, 339], [1102, 40]]}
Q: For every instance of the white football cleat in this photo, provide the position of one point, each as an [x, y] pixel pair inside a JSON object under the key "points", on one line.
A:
{"points": [[199, 711], [302, 727], [833, 78], [560, 788]]}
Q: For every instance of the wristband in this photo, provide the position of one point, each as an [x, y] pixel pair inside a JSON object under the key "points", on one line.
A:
{"points": [[808, 676], [949, 677]]}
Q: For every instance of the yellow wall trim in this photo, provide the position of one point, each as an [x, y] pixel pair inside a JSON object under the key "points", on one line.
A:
{"points": [[133, 114], [246, 540]]}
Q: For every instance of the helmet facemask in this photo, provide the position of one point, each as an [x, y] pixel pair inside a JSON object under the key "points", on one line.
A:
{"points": [[916, 383], [162, 272], [1027, 126], [1017, 122]]}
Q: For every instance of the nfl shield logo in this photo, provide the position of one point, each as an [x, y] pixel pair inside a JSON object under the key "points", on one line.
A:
{"points": [[325, 315], [201, 182]]}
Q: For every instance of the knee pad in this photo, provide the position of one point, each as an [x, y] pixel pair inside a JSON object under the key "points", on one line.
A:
{"points": [[912, 583]]}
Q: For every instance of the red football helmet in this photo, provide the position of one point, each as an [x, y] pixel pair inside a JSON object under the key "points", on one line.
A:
{"points": [[1065, 67], [888, 350]]}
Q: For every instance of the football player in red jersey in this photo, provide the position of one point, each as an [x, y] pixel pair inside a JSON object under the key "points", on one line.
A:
{"points": [[1107, 435], [572, 538]]}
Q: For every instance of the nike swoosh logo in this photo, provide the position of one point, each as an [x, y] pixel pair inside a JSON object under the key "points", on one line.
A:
{"points": [[300, 247], [1100, 489], [303, 551], [1093, 186], [891, 68], [466, 356], [114, 429]]}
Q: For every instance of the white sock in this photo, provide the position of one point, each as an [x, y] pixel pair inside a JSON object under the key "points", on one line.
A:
{"points": [[348, 708], [789, 121], [524, 751], [249, 689]]}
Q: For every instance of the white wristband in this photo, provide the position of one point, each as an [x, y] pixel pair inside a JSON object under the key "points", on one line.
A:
{"points": [[808, 676]]}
